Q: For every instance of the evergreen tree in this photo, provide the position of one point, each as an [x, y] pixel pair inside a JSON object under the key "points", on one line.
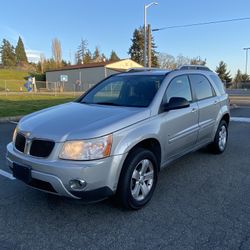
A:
{"points": [[245, 77], [96, 55], [222, 72], [78, 59], [81, 51], [113, 56], [238, 77], [136, 50], [21, 56], [103, 58], [87, 57], [8, 55]]}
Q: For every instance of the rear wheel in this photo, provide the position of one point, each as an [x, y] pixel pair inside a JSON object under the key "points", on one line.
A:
{"points": [[138, 179], [219, 144]]}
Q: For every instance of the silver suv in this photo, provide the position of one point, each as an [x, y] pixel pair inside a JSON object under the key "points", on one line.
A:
{"points": [[116, 137]]}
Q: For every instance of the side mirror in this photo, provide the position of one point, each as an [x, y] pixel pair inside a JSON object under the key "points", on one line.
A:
{"points": [[176, 103]]}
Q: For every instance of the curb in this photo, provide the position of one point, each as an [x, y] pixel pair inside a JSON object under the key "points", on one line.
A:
{"points": [[10, 119]]}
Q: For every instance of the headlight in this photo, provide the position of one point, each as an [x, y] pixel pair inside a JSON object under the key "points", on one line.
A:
{"points": [[14, 135], [87, 149]]}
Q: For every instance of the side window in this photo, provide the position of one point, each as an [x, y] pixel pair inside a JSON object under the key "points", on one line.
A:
{"points": [[201, 87], [218, 83], [178, 87]]}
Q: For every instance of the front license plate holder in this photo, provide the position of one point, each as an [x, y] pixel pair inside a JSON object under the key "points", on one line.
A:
{"points": [[22, 173]]}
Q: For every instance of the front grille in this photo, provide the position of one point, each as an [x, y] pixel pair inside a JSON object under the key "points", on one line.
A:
{"points": [[20, 142], [41, 148], [35, 147]]}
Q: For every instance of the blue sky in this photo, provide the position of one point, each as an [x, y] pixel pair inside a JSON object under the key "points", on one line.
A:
{"points": [[109, 24]]}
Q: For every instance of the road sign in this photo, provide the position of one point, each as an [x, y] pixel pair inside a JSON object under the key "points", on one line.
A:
{"points": [[63, 78]]}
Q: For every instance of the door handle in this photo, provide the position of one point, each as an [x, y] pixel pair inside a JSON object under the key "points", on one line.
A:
{"points": [[215, 102], [193, 110]]}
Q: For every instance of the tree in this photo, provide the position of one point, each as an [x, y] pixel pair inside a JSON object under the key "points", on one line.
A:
{"points": [[182, 60], [245, 77], [21, 56], [87, 57], [222, 72], [198, 61], [78, 59], [41, 64], [81, 51], [8, 55], [238, 78], [96, 55], [136, 50], [113, 56], [57, 52], [103, 58], [166, 61]]}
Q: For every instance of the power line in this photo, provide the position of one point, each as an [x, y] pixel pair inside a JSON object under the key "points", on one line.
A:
{"points": [[204, 23]]}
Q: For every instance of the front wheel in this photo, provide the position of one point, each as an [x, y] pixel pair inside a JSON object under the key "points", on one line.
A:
{"points": [[138, 179], [219, 144]]}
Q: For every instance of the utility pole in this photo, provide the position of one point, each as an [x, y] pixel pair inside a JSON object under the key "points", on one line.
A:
{"points": [[149, 46], [145, 36], [145, 31], [246, 49]]}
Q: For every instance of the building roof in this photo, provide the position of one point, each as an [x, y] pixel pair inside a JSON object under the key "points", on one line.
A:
{"points": [[115, 65], [81, 66]]}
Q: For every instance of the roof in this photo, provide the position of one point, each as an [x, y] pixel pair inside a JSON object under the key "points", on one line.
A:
{"points": [[118, 65], [81, 66]]}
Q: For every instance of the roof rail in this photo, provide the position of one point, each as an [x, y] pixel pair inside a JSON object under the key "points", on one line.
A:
{"points": [[197, 67], [131, 70]]}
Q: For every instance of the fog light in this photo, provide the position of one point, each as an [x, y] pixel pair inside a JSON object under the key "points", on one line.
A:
{"points": [[77, 184]]}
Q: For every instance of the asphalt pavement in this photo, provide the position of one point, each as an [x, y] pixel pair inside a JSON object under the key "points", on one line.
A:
{"points": [[202, 201]]}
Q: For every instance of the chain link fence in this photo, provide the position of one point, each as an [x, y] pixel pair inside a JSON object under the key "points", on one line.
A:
{"points": [[10, 87]]}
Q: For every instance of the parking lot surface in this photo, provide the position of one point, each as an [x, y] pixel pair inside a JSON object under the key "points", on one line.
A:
{"points": [[202, 201]]}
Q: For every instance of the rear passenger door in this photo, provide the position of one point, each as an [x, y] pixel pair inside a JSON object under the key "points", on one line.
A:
{"points": [[208, 104]]}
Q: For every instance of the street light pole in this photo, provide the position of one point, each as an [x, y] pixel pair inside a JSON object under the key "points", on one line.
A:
{"points": [[145, 31], [246, 49]]}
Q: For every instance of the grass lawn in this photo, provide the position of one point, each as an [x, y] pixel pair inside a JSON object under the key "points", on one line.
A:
{"points": [[12, 79], [22, 104], [10, 74]]}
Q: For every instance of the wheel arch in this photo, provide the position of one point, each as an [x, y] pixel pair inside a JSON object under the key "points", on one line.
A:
{"points": [[151, 144], [226, 118]]}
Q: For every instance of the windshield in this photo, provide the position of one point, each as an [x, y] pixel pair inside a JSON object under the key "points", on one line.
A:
{"points": [[128, 90]]}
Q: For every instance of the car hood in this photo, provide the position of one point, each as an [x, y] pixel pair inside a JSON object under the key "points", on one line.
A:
{"points": [[74, 121]]}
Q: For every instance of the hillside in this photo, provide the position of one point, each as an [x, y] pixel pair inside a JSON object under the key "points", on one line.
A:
{"points": [[12, 79], [11, 74]]}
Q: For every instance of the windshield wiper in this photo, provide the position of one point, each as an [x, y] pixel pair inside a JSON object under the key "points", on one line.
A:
{"points": [[108, 103]]}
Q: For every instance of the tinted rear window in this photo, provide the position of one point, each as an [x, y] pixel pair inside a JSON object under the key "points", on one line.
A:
{"points": [[218, 84], [201, 86]]}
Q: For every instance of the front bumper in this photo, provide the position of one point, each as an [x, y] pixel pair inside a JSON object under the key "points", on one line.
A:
{"points": [[53, 175]]}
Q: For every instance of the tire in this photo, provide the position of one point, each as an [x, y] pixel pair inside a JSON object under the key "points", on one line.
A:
{"points": [[219, 144], [138, 179]]}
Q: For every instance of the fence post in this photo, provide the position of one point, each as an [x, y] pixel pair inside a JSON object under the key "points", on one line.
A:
{"points": [[55, 87], [5, 86]]}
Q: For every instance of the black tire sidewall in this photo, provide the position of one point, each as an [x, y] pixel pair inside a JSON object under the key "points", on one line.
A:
{"points": [[216, 140], [131, 162]]}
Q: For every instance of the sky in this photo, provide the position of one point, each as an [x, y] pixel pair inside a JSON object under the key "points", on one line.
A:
{"points": [[109, 25]]}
